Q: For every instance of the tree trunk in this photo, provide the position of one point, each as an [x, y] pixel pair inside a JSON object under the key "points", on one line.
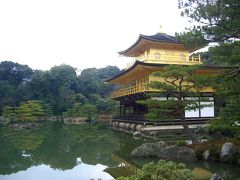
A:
{"points": [[185, 126]]}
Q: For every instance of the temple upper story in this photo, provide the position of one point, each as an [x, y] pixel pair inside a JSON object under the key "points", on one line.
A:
{"points": [[161, 49], [152, 54]]}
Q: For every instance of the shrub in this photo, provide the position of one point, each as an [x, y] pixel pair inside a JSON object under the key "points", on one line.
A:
{"points": [[162, 170], [181, 143]]}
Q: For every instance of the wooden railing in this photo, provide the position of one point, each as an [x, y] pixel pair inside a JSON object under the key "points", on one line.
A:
{"points": [[139, 88], [171, 58], [168, 59], [132, 90]]}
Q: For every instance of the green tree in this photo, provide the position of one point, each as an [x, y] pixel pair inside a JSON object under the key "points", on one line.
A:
{"points": [[13, 79], [106, 106], [15, 73], [63, 80], [40, 85], [91, 80], [30, 111], [75, 111], [178, 82], [60, 87], [162, 170], [7, 94], [80, 98], [218, 22], [47, 109], [227, 92], [27, 111], [229, 122], [9, 114], [89, 111]]}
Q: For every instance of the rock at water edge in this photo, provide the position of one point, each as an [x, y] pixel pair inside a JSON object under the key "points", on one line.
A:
{"points": [[148, 149], [216, 177], [177, 153], [227, 152]]}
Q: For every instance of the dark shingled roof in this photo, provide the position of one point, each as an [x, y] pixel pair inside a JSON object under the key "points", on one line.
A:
{"points": [[159, 37], [202, 67]]}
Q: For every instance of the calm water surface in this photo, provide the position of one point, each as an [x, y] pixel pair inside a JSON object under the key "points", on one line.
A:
{"points": [[83, 152]]}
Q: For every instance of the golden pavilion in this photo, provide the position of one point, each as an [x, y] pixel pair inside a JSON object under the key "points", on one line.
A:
{"points": [[153, 53]]}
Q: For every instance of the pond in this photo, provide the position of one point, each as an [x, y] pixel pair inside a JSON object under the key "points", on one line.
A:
{"points": [[59, 151]]}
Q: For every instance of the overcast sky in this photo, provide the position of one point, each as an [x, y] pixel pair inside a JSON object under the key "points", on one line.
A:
{"points": [[81, 33]]}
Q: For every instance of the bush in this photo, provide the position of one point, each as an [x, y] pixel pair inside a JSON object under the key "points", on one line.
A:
{"points": [[9, 114], [162, 170], [181, 143], [226, 127]]}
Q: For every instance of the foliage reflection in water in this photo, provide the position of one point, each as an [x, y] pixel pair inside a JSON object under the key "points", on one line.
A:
{"points": [[59, 151], [83, 151]]}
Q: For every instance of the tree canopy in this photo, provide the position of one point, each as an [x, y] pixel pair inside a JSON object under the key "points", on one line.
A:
{"points": [[217, 21], [60, 88]]}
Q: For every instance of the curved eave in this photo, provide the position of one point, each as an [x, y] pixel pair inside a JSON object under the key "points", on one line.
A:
{"points": [[122, 72], [116, 78], [203, 69]]}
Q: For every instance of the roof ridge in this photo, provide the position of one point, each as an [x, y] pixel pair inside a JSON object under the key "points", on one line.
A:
{"points": [[170, 37], [158, 37]]}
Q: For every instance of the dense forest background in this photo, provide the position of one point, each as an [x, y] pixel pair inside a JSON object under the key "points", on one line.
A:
{"points": [[59, 89]]}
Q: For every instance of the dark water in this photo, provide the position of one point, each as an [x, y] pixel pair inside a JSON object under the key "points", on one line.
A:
{"points": [[58, 151]]}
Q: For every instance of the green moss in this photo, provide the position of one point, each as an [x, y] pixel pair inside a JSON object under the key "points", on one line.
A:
{"points": [[181, 143]]}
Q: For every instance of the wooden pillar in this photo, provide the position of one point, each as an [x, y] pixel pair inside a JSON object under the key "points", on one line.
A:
{"points": [[124, 110], [120, 109]]}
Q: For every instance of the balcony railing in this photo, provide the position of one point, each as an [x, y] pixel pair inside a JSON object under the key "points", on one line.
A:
{"points": [[144, 88], [169, 59], [179, 59], [132, 90]]}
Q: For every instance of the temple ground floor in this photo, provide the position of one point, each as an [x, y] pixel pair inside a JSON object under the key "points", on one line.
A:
{"points": [[130, 110]]}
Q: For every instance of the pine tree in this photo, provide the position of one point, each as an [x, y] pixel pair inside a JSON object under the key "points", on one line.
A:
{"points": [[177, 82]]}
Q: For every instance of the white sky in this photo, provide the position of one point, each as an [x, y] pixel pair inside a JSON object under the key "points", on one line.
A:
{"points": [[81, 33]]}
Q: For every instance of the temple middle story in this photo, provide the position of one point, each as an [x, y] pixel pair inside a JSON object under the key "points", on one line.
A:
{"points": [[152, 54]]}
